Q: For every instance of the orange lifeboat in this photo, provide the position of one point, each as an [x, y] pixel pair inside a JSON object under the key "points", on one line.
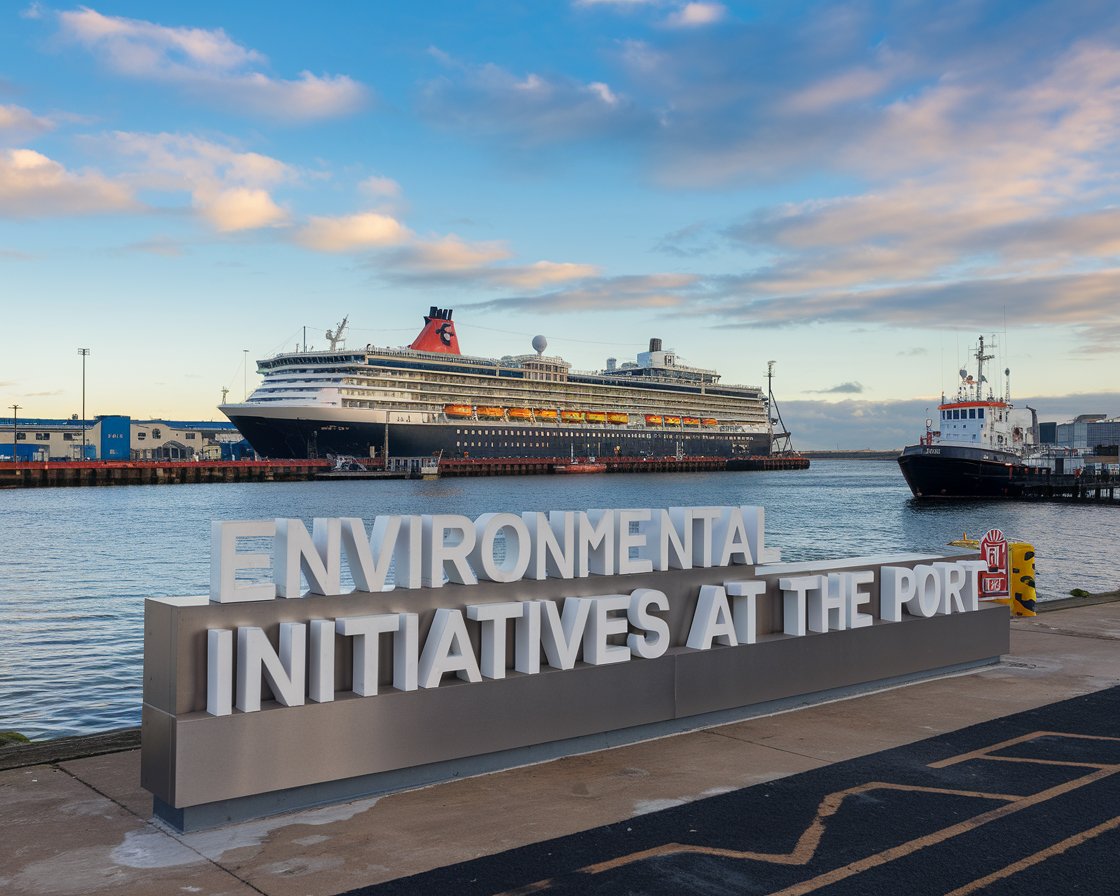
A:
{"points": [[520, 414], [545, 414], [490, 413], [709, 421], [618, 419], [653, 420], [669, 421], [691, 421], [458, 410], [571, 416], [596, 417]]}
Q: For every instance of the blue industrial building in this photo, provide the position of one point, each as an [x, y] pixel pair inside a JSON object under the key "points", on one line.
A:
{"points": [[119, 437]]}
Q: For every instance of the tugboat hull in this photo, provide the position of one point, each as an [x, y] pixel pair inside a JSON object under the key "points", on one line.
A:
{"points": [[956, 472]]}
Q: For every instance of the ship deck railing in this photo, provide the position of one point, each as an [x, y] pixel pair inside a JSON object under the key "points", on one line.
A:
{"points": [[599, 376], [607, 426]]}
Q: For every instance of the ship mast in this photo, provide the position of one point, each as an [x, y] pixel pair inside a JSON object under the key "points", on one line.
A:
{"points": [[781, 442], [980, 359], [335, 337]]}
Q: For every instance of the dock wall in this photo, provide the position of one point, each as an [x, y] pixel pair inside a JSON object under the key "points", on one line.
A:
{"points": [[75, 473], [514, 466], [40, 474]]}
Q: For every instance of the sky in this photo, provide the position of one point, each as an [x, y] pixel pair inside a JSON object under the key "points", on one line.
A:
{"points": [[856, 191]]}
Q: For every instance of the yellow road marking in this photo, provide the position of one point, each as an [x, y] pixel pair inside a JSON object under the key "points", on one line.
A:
{"points": [[806, 846], [1048, 853]]}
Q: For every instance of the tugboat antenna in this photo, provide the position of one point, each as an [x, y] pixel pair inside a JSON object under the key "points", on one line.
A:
{"points": [[980, 359]]}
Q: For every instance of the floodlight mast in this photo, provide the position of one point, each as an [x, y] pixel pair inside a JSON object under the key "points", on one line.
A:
{"points": [[84, 352]]}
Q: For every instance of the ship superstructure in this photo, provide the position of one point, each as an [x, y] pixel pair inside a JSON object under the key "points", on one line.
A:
{"points": [[428, 397]]}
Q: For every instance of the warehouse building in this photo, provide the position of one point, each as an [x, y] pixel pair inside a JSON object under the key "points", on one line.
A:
{"points": [[119, 437]]}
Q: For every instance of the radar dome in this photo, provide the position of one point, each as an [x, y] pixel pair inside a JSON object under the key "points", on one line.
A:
{"points": [[539, 344]]}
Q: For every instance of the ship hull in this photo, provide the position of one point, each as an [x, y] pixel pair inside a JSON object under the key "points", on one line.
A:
{"points": [[943, 471], [294, 436]]}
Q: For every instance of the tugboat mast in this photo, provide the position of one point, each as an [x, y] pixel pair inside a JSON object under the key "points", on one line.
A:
{"points": [[980, 359]]}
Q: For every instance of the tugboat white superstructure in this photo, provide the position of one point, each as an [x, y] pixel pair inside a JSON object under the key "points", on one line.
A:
{"points": [[428, 398], [982, 445]]}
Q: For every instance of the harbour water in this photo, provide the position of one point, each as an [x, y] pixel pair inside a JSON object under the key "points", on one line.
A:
{"points": [[78, 563]]}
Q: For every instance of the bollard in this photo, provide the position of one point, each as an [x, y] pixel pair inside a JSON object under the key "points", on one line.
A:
{"points": [[1022, 579]]}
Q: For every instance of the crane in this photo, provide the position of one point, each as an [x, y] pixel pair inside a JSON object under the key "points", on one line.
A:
{"points": [[335, 337]]}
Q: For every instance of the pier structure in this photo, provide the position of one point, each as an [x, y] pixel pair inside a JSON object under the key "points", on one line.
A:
{"points": [[33, 474], [523, 466], [38, 474], [1083, 486]]}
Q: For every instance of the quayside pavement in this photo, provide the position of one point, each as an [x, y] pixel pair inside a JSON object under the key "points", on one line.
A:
{"points": [[83, 825]]}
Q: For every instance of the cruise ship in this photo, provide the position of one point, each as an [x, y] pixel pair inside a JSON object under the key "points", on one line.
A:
{"points": [[430, 399]]}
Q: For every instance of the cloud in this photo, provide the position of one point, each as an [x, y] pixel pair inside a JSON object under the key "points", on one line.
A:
{"points": [[15, 121], [380, 187], [865, 96], [164, 246], [424, 266], [1066, 299], [849, 388], [682, 15], [696, 15], [239, 208], [979, 200], [209, 64], [534, 109], [405, 257], [700, 105], [178, 159], [891, 425], [228, 188], [648, 291], [348, 233], [621, 4], [484, 265], [400, 255], [687, 242], [853, 424], [839, 89], [540, 274], [450, 254], [851, 93], [35, 186]]}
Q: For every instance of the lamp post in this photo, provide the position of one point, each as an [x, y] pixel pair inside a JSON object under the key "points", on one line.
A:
{"points": [[15, 415], [245, 375], [84, 352]]}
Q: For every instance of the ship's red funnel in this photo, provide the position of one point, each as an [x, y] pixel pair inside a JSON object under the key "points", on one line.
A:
{"points": [[438, 334]]}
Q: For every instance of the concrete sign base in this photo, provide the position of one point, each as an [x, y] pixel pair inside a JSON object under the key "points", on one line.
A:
{"points": [[206, 770]]}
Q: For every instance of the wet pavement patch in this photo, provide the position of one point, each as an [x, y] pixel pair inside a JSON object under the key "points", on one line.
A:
{"points": [[1030, 802]]}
